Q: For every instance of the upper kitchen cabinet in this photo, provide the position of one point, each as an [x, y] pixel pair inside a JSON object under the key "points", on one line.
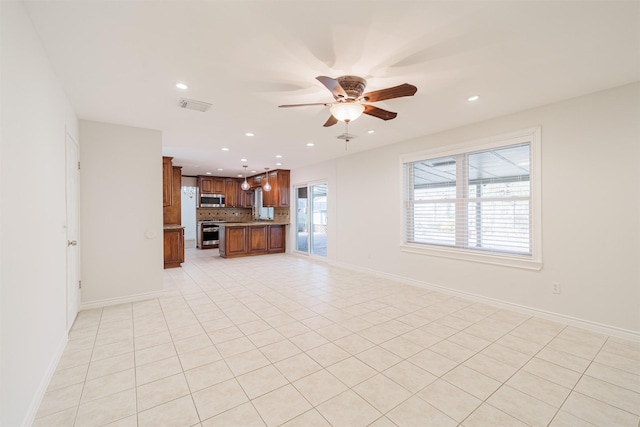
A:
{"points": [[211, 185], [246, 198], [232, 193], [167, 181], [278, 197]]}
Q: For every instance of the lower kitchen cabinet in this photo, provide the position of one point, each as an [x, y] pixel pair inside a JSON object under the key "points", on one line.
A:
{"points": [[249, 240], [173, 247]]}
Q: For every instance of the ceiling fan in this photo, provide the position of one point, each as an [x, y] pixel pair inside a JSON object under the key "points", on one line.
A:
{"points": [[350, 102]]}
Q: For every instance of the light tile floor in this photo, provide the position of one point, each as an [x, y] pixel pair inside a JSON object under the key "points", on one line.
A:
{"points": [[282, 340]]}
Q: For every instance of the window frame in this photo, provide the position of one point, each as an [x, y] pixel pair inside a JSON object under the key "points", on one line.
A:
{"points": [[530, 262]]}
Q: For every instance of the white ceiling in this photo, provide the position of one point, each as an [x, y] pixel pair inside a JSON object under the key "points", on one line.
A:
{"points": [[119, 61]]}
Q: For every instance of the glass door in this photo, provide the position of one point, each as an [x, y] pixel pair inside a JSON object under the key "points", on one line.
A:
{"points": [[311, 219]]}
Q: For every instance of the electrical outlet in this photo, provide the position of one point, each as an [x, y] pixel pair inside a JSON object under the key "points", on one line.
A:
{"points": [[555, 288]]}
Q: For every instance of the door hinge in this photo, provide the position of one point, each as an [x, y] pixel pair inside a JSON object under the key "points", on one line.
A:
{"points": [[78, 165], [79, 284]]}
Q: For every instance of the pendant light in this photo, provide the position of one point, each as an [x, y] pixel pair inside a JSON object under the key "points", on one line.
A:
{"points": [[245, 185], [267, 186]]}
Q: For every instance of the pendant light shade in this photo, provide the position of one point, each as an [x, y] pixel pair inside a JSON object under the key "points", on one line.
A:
{"points": [[245, 185], [346, 111], [266, 186]]}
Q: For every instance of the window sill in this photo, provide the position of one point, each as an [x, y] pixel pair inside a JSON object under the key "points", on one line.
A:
{"points": [[513, 261]]}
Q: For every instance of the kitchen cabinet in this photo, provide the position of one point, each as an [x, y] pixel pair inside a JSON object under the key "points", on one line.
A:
{"points": [[233, 241], [246, 198], [232, 193], [278, 197], [211, 185], [167, 181], [172, 214], [173, 236], [258, 239], [173, 246], [276, 239], [249, 240]]}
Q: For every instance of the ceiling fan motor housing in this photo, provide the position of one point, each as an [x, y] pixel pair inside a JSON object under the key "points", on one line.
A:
{"points": [[353, 85]]}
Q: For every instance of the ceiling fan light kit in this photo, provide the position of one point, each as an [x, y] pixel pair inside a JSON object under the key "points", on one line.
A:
{"points": [[346, 111], [350, 102]]}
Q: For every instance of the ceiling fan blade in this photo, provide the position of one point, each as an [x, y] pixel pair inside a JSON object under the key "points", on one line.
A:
{"points": [[304, 105], [330, 121], [379, 112], [404, 89], [333, 85]]}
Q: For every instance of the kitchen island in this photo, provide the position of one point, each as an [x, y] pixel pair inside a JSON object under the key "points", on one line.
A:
{"points": [[238, 239]]}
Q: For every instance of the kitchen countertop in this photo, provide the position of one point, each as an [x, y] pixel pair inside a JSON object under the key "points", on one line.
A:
{"points": [[173, 226], [249, 224]]}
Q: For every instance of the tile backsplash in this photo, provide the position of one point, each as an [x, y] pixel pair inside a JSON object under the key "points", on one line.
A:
{"points": [[280, 215]]}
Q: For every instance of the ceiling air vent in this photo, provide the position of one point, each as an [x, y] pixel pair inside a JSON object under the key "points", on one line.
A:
{"points": [[192, 104]]}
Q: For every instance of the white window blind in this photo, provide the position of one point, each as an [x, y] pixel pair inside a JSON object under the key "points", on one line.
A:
{"points": [[476, 200]]}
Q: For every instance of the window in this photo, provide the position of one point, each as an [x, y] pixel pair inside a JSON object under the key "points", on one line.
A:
{"points": [[476, 202]]}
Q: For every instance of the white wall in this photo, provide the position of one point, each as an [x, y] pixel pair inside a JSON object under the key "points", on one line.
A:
{"points": [[121, 215], [590, 204], [35, 116]]}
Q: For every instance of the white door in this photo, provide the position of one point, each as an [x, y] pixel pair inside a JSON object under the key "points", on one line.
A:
{"points": [[73, 218]]}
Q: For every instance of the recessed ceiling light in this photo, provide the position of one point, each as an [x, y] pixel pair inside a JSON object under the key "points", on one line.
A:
{"points": [[253, 171], [310, 144], [243, 160], [225, 149], [239, 175], [249, 134], [208, 173], [473, 98], [371, 131], [278, 164], [278, 156], [220, 169], [182, 86]]}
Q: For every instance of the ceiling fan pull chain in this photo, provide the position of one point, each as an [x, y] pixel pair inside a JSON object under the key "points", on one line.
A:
{"points": [[346, 140]]}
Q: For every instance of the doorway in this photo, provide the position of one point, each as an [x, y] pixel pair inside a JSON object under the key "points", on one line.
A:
{"points": [[311, 219], [72, 178]]}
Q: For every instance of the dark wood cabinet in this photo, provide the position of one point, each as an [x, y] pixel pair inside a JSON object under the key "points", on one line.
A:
{"points": [[167, 181], [172, 214], [233, 241], [232, 193], [276, 238], [252, 240], [278, 197], [211, 185], [173, 236], [173, 247], [205, 184], [246, 198], [258, 239]]}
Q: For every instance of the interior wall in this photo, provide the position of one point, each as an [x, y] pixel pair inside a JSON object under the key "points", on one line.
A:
{"points": [[122, 228], [590, 213], [35, 115]]}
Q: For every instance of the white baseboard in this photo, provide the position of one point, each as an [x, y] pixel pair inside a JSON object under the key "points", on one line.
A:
{"points": [[44, 383], [556, 317], [120, 300]]}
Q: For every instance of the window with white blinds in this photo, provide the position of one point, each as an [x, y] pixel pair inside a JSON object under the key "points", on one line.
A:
{"points": [[474, 200]]}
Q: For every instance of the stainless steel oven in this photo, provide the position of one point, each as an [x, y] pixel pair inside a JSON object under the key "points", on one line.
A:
{"points": [[208, 235]]}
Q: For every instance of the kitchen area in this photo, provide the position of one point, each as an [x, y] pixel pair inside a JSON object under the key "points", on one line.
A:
{"points": [[245, 216]]}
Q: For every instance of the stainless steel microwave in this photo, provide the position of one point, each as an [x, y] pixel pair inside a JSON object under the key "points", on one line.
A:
{"points": [[212, 200]]}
